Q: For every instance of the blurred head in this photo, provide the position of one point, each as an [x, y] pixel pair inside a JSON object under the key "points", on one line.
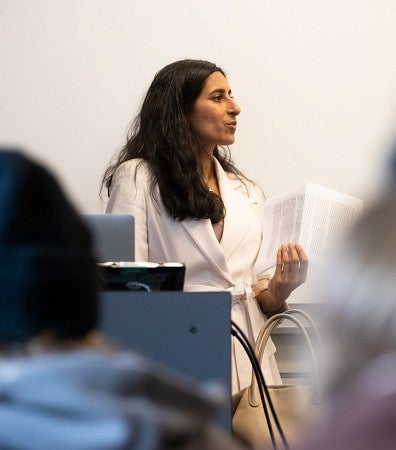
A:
{"points": [[47, 266], [359, 290]]}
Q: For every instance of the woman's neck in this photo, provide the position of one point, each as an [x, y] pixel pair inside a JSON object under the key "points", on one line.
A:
{"points": [[208, 168], [209, 174]]}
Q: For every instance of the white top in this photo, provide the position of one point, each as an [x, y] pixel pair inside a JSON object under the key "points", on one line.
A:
{"points": [[211, 265]]}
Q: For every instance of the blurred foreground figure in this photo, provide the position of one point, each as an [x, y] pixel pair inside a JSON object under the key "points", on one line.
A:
{"points": [[61, 385], [361, 313]]}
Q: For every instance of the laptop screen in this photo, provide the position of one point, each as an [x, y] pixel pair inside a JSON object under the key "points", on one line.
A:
{"points": [[142, 276], [114, 236]]}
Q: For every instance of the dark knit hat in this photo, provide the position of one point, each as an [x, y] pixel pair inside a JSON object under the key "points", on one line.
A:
{"points": [[48, 278]]}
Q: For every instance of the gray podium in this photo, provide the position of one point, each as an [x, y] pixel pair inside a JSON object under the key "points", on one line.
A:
{"points": [[188, 331]]}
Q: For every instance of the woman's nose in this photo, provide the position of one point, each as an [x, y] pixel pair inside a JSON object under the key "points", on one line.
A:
{"points": [[234, 108]]}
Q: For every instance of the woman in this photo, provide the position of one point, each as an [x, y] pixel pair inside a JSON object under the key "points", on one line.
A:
{"points": [[192, 205]]}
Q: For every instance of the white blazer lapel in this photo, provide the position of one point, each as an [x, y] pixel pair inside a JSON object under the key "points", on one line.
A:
{"points": [[201, 231], [240, 218]]}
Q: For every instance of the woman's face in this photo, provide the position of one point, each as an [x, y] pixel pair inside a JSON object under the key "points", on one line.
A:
{"points": [[214, 114]]}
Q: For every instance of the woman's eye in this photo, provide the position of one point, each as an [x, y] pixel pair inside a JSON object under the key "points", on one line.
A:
{"points": [[217, 98]]}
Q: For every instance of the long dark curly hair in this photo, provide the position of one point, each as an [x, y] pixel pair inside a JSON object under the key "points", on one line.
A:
{"points": [[162, 135]]}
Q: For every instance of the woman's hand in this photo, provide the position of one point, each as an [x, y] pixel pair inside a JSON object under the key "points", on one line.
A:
{"points": [[291, 272]]}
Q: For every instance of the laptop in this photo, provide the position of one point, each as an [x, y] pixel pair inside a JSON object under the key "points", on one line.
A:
{"points": [[142, 276], [187, 331], [114, 236]]}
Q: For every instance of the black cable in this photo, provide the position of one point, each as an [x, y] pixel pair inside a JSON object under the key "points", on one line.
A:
{"points": [[253, 361], [262, 385]]}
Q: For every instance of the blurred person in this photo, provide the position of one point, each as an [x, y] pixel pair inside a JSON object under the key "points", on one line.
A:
{"points": [[360, 321], [191, 204], [62, 386]]}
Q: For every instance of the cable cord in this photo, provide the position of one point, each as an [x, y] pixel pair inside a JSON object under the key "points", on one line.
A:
{"points": [[262, 386]]}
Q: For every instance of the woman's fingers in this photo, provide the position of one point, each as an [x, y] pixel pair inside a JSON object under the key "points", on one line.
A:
{"points": [[293, 262], [303, 259], [290, 272], [279, 264]]}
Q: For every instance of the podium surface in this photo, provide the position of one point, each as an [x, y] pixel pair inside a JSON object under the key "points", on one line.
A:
{"points": [[187, 331]]}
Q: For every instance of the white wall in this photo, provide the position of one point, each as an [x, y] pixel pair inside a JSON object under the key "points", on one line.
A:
{"points": [[316, 81]]}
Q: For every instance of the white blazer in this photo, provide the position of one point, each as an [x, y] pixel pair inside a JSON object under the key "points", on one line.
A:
{"points": [[210, 265]]}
